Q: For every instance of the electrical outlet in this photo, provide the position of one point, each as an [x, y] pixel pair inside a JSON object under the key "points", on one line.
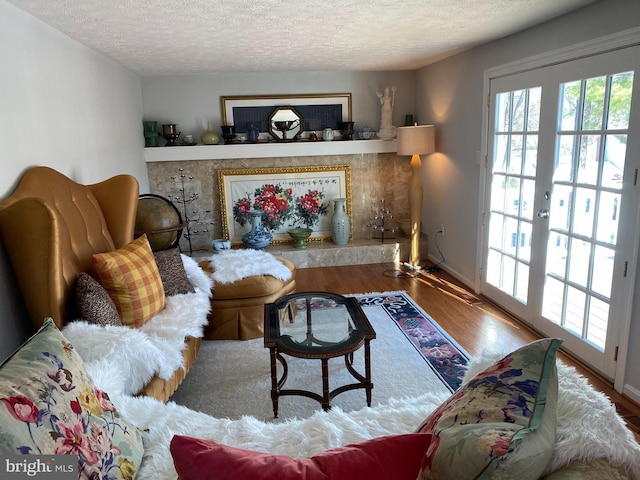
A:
{"points": [[442, 229]]}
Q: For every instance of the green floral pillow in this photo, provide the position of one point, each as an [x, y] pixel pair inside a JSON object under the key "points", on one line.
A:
{"points": [[501, 424], [49, 405]]}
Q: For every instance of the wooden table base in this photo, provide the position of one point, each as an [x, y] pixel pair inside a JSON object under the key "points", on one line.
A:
{"points": [[364, 381]]}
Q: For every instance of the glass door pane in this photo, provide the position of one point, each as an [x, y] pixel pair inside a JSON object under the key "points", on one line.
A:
{"points": [[586, 193], [517, 117]]}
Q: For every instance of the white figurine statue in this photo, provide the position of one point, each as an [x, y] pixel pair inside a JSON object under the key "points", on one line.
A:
{"points": [[387, 100]]}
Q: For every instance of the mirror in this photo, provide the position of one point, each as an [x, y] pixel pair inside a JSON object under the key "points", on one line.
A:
{"points": [[285, 124]]}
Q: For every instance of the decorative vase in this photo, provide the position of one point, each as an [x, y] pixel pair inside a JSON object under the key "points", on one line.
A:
{"points": [[346, 128], [150, 133], [170, 134], [340, 225], [300, 236], [327, 134], [228, 133], [253, 134], [258, 238], [210, 137]]}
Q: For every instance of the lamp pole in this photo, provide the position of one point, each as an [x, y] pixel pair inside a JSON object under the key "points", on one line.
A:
{"points": [[416, 193], [415, 140]]}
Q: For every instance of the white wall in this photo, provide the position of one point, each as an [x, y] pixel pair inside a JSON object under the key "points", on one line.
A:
{"points": [[450, 94], [65, 106], [193, 100]]}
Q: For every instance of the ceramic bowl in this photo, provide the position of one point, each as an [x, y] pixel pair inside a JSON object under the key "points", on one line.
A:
{"points": [[405, 225], [221, 244], [366, 133]]}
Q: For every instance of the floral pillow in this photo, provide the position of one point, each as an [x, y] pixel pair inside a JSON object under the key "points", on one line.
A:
{"points": [[49, 405], [501, 424]]}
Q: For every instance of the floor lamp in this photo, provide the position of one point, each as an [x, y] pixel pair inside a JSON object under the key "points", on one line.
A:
{"points": [[415, 141]]}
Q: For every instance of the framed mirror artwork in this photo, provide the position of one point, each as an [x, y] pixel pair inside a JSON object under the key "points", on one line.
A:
{"points": [[317, 112]]}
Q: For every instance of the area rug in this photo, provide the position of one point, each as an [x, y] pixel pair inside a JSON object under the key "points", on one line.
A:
{"points": [[231, 378], [445, 357]]}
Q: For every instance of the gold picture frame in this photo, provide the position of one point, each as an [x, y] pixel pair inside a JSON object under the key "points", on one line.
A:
{"points": [[239, 189]]}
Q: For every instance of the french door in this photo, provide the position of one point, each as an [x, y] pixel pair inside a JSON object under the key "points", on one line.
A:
{"points": [[560, 216]]}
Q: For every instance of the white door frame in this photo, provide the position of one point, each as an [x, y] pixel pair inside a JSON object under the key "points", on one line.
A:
{"points": [[624, 39]]}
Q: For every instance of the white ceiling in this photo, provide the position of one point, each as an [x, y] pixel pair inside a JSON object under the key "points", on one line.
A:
{"points": [[202, 36]]}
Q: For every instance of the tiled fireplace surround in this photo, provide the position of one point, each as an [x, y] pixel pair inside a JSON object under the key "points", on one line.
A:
{"points": [[374, 174]]}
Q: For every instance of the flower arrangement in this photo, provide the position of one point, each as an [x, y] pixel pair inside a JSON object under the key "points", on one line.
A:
{"points": [[309, 208], [274, 201]]}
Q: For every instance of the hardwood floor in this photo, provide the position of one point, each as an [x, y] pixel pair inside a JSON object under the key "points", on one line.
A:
{"points": [[475, 323]]}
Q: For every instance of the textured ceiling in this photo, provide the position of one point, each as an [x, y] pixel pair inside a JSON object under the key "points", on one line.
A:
{"points": [[198, 36]]}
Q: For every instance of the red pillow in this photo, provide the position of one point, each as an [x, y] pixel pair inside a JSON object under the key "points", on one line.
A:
{"points": [[391, 457]]}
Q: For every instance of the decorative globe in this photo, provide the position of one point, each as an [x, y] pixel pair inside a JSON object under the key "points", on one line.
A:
{"points": [[160, 220]]}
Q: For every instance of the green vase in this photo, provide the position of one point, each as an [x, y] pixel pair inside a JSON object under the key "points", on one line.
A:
{"points": [[150, 133], [210, 137], [300, 236]]}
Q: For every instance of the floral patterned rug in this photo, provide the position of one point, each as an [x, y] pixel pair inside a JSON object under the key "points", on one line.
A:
{"points": [[444, 356]]}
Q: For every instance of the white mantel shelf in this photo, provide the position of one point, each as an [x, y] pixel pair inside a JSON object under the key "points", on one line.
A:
{"points": [[268, 150]]}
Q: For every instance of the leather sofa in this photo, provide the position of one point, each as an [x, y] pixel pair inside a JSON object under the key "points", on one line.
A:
{"points": [[51, 226]]}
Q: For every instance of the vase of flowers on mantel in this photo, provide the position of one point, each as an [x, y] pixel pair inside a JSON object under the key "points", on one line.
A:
{"points": [[306, 213], [266, 210]]}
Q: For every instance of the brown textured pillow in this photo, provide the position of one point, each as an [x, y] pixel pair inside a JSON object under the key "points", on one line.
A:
{"points": [[174, 278], [94, 303]]}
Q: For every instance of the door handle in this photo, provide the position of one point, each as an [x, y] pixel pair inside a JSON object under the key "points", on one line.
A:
{"points": [[543, 214]]}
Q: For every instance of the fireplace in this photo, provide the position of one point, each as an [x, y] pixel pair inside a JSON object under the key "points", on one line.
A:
{"points": [[374, 175]]}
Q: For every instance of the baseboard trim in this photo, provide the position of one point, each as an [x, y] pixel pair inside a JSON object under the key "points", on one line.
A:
{"points": [[631, 392], [462, 278]]}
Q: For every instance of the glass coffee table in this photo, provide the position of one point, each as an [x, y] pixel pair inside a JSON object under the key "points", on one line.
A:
{"points": [[317, 325]]}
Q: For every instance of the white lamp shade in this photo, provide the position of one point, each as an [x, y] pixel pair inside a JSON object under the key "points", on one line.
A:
{"points": [[416, 140]]}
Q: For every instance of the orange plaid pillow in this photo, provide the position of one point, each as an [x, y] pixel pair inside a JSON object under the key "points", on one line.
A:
{"points": [[130, 275]]}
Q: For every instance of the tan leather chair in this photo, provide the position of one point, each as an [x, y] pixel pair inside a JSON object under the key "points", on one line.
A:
{"points": [[51, 226], [237, 309]]}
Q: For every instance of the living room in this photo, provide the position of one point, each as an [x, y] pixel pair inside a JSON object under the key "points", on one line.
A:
{"points": [[79, 112], [101, 101]]}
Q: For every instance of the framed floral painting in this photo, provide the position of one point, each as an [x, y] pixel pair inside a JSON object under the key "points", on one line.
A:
{"points": [[287, 197]]}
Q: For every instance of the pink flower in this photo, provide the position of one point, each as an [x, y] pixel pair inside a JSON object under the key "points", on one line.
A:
{"points": [[73, 441], [104, 401], [101, 440], [22, 408], [502, 366], [500, 445]]}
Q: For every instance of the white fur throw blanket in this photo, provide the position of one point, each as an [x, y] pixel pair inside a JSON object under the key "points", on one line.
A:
{"points": [[232, 265], [126, 358], [588, 426]]}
